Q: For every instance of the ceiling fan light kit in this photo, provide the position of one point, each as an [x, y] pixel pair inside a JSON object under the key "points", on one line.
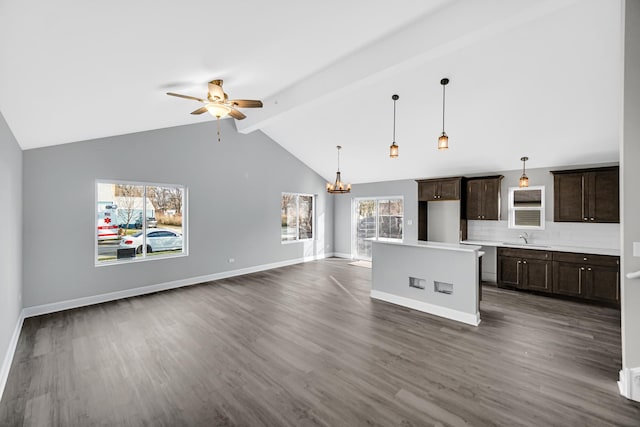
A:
{"points": [[338, 187], [218, 103], [443, 141], [393, 149]]}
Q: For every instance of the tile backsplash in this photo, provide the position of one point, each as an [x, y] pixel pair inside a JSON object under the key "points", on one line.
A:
{"points": [[555, 233]]}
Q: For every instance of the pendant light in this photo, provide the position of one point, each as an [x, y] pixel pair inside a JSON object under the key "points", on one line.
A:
{"points": [[443, 141], [338, 187], [524, 179], [393, 149]]}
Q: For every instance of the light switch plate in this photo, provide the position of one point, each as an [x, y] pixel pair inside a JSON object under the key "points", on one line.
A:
{"points": [[636, 248], [409, 222]]}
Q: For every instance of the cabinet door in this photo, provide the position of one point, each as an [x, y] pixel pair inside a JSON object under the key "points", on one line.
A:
{"points": [[604, 196], [568, 279], [603, 283], [568, 197], [475, 189], [536, 275], [449, 189], [491, 199], [509, 271], [428, 191]]}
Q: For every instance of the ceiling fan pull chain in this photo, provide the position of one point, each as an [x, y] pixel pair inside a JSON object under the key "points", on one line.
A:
{"points": [[218, 120]]}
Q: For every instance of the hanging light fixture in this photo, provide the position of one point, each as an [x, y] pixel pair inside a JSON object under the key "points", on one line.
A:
{"points": [[393, 149], [443, 141], [338, 187], [524, 179]]}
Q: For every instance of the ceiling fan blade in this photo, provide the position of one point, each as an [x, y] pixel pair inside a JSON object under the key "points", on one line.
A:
{"points": [[246, 103], [200, 110], [185, 96], [237, 114]]}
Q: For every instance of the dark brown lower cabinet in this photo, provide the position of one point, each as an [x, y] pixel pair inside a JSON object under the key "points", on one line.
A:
{"points": [[525, 269], [593, 277], [587, 276]]}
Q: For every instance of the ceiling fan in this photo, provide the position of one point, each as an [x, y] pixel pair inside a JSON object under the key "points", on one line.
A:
{"points": [[219, 105]]}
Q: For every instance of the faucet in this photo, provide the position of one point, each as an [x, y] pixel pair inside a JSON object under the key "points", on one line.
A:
{"points": [[524, 237]]}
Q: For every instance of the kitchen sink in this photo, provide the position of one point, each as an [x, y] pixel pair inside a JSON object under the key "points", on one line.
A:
{"points": [[525, 245]]}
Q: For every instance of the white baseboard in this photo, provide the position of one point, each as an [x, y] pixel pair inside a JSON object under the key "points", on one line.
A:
{"points": [[11, 351], [469, 319], [127, 293], [629, 384], [341, 255]]}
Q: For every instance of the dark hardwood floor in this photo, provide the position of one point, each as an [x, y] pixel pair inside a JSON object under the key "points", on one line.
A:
{"points": [[304, 345]]}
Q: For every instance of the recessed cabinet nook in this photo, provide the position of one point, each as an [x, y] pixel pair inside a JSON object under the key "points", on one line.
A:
{"points": [[579, 195]]}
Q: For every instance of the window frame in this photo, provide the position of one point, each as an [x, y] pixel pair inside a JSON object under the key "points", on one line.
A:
{"points": [[313, 217], [145, 257], [513, 209]]}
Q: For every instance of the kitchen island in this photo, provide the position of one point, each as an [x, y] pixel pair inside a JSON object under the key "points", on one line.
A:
{"points": [[436, 278]]}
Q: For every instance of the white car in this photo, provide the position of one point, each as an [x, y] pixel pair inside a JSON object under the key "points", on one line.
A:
{"points": [[159, 239]]}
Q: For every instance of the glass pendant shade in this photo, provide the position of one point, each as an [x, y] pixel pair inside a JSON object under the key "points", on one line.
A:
{"points": [[443, 142], [393, 151], [524, 179]]}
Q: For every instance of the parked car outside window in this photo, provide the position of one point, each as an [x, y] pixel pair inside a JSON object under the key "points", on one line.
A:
{"points": [[159, 239], [151, 223]]}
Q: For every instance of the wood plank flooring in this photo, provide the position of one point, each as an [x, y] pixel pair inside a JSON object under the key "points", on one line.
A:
{"points": [[305, 346]]}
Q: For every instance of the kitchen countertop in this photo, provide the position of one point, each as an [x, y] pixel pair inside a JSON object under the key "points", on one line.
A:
{"points": [[462, 246], [545, 247]]}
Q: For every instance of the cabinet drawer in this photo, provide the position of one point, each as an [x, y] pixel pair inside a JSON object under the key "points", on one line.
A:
{"points": [[524, 253], [590, 259]]}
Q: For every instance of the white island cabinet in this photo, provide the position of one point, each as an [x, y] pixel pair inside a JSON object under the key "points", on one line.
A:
{"points": [[437, 278]]}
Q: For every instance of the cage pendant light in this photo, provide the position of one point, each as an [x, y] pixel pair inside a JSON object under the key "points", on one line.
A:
{"points": [[524, 179], [338, 187], [443, 141], [393, 149]]}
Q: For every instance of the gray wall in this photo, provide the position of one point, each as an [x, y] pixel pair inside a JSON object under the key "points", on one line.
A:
{"points": [[406, 188], [234, 207], [630, 155], [11, 248]]}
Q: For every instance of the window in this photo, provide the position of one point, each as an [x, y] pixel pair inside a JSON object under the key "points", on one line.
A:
{"points": [[526, 208], [379, 218], [137, 221], [296, 217]]}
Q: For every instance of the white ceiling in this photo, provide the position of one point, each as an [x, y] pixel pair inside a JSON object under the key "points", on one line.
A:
{"points": [[540, 78]]}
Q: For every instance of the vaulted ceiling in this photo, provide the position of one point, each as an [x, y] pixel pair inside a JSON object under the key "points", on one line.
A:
{"points": [[541, 79]]}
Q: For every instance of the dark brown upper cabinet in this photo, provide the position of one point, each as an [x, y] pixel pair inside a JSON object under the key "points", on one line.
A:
{"points": [[483, 198], [586, 195], [430, 190]]}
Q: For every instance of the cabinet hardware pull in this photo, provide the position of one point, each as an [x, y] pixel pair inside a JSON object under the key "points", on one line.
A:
{"points": [[592, 219], [580, 282], [524, 262], [582, 188], [589, 269], [585, 219], [618, 286], [584, 259], [582, 268]]}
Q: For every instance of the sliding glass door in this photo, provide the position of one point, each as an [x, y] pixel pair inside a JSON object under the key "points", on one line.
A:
{"points": [[375, 218]]}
